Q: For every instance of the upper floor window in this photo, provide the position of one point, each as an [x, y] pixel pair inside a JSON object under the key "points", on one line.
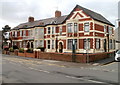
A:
{"points": [[69, 27], [60, 31], [110, 30], [20, 33], [48, 30], [53, 30], [24, 33], [75, 28], [105, 28], [86, 27], [15, 33]]}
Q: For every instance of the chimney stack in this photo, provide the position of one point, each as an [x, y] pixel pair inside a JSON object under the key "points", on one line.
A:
{"points": [[57, 13], [31, 19]]}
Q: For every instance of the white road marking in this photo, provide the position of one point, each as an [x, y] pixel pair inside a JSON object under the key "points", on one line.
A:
{"points": [[93, 81], [39, 70]]}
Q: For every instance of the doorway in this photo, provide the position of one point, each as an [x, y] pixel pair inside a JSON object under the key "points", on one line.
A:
{"points": [[60, 47]]}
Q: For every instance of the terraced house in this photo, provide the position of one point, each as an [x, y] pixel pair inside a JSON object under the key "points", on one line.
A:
{"points": [[83, 27]]}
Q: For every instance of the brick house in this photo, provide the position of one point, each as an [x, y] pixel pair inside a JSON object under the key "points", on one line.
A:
{"points": [[88, 29]]}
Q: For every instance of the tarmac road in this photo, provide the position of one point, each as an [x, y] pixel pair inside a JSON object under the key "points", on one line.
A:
{"points": [[28, 70]]}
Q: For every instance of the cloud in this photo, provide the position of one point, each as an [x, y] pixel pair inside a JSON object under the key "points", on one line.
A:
{"points": [[14, 12]]}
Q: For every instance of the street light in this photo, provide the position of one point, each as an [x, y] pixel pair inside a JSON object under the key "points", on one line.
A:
{"points": [[73, 50], [87, 47], [56, 43]]}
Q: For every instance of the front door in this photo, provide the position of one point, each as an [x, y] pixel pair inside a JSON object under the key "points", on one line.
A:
{"points": [[60, 47]]}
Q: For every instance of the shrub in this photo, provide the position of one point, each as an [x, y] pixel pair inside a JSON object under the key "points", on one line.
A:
{"points": [[30, 50], [21, 50], [11, 49]]}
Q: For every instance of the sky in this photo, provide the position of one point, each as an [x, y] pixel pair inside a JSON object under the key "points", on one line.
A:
{"points": [[15, 12]]}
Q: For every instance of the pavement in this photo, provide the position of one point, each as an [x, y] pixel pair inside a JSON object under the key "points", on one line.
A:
{"points": [[104, 61]]}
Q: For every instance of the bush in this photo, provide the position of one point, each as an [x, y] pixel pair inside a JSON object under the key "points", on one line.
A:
{"points": [[11, 49], [21, 50], [41, 48], [30, 50]]}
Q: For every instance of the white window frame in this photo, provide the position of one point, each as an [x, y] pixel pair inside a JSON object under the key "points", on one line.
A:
{"points": [[60, 30], [53, 30], [24, 33], [69, 27], [87, 45], [88, 25], [105, 28], [49, 29], [48, 44], [75, 28], [98, 43], [53, 44]]}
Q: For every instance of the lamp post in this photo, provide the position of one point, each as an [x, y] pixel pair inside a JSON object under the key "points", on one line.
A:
{"points": [[87, 56], [56, 43], [73, 50]]}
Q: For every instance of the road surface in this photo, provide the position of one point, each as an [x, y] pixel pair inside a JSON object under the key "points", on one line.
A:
{"points": [[28, 70]]}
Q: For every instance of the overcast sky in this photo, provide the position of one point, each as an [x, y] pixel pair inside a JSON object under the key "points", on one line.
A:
{"points": [[14, 12]]}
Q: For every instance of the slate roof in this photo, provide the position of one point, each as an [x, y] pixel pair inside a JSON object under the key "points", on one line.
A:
{"points": [[49, 21], [62, 19]]}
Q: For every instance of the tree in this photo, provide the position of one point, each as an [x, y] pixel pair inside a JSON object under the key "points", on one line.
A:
{"points": [[6, 28]]}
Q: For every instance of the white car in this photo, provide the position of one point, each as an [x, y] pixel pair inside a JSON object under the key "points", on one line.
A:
{"points": [[117, 56]]}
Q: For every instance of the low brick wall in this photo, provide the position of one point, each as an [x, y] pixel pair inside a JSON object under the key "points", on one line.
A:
{"points": [[54, 56], [100, 56], [80, 58], [31, 55], [21, 54]]}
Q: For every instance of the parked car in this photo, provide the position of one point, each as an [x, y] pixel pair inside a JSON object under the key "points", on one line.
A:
{"points": [[117, 56]]}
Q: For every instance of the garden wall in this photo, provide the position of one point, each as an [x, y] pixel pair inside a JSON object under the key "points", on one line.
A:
{"points": [[81, 58]]}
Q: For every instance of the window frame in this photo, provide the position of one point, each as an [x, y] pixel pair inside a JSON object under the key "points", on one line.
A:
{"points": [[98, 44], [48, 44], [88, 25], [69, 27], [49, 30]]}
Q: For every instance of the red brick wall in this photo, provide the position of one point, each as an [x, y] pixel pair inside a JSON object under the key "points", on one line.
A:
{"points": [[91, 43], [67, 56], [80, 27], [99, 34], [45, 43], [45, 30], [91, 26], [63, 28], [81, 43], [57, 29], [64, 41], [26, 32], [99, 27], [87, 19]]}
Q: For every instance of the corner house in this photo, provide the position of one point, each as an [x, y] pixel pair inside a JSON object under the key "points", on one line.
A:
{"points": [[88, 29]]}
